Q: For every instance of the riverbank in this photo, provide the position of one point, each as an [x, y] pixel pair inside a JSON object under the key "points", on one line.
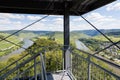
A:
{"points": [[27, 43]]}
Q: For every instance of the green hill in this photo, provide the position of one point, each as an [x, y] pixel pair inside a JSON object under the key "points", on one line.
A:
{"points": [[73, 36], [95, 33]]}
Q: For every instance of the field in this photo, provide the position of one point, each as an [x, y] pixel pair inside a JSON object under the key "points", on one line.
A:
{"points": [[102, 38], [6, 47]]}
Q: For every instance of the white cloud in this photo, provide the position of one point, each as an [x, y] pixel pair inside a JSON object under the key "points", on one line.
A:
{"points": [[103, 22], [57, 21], [80, 26], [30, 17], [77, 19], [7, 24], [54, 23], [11, 16], [99, 20], [4, 21], [113, 6], [97, 17], [55, 16], [37, 26]]}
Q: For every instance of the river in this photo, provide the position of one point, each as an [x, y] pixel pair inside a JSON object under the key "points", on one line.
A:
{"points": [[27, 43], [80, 45]]}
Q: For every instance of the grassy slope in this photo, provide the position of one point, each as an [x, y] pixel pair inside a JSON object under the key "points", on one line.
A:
{"points": [[4, 46], [27, 35], [73, 36], [101, 38]]}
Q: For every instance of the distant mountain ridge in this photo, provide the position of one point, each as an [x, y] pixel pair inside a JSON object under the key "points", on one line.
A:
{"points": [[87, 32], [26, 31], [95, 33]]}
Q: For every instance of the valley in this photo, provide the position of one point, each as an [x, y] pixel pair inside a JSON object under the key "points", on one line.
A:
{"points": [[89, 41], [92, 39]]}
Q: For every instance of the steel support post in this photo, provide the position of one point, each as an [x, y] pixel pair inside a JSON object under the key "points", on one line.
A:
{"points": [[66, 36]]}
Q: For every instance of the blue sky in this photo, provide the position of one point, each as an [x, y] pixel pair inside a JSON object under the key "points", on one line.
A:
{"points": [[107, 17]]}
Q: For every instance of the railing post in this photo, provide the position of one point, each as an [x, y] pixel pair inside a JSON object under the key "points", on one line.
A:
{"points": [[17, 71], [35, 75], [43, 74], [89, 68], [68, 60], [44, 57]]}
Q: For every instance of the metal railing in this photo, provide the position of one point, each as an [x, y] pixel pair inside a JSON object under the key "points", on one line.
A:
{"points": [[86, 66], [34, 66], [31, 67]]}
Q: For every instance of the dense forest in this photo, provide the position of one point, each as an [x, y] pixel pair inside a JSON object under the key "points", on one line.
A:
{"points": [[47, 47]]}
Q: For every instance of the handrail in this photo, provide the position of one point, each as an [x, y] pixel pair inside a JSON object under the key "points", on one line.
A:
{"points": [[44, 76], [19, 66], [102, 68], [118, 77], [25, 70], [96, 65], [104, 60], [14, 62]]}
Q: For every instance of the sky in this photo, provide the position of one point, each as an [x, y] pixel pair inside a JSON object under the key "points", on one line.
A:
{"points": [[107, 17]]}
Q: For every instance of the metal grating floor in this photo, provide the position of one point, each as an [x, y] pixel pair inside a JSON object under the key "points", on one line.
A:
{"points": [[58, 76]]}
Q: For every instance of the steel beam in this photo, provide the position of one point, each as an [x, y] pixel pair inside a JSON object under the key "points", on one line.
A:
{"points": [[66, 34]]}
